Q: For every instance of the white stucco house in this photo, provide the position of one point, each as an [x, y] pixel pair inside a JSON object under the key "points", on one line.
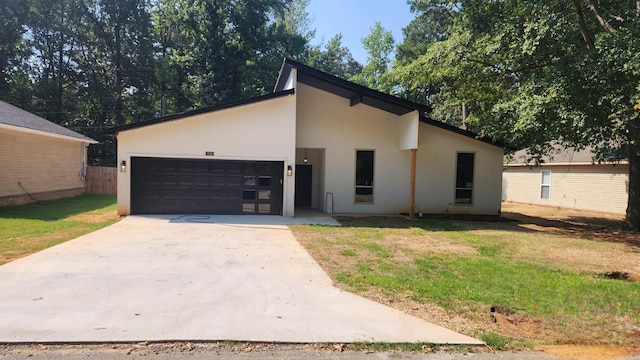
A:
{"points": [[39, 160], [568, 179], [318, 142]]}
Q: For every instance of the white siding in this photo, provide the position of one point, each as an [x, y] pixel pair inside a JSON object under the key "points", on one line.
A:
{"points": [[436, 173], [326, 121], [584, 187], [258, 131]]}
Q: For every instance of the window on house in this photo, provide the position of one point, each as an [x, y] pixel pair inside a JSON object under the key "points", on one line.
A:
{"points": [[545, 186], [464, 178], [364, 176]]}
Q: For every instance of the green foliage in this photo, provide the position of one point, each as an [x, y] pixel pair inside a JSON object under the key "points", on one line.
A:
{"points": [[334, 59], [93, 64], [227, 50], [13, 15], [296, 19], [348, 252], [429, 26], [535, 72], [380, 347], [495, 341], [28, 228], [379, 45]]}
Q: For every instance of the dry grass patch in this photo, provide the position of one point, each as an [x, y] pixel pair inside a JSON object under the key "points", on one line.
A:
{"points": [[452, 272]]}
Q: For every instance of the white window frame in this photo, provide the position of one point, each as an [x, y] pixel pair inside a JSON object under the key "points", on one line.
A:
{"points": [[544, 185]]}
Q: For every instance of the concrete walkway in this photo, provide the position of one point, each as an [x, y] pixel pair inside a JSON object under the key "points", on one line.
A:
{"points": [[192, 278]]}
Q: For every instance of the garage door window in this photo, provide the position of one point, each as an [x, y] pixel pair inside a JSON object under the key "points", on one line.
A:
{"points": [[249, 181], [264, 181]]}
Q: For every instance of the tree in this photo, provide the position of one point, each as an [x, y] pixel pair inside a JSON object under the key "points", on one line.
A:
{"points": [[565, 71], [13, 18], [430, 25], [296, 20], [335, 59], [115, 58], [52, 42], [379, 45], [226, 50], [92, 64]]}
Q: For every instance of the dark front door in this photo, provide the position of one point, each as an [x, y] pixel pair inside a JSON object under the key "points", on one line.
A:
{"points": [[203, 186], [303, 185]]}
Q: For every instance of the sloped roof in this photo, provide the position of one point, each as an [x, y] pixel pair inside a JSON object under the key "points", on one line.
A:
{"points": [[347, 89], [14, 116], [204, 110], [361, 94], [318, 79], [559, 156]]}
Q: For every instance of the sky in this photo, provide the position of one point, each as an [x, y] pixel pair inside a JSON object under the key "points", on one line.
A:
{"points": [[354, 19]]}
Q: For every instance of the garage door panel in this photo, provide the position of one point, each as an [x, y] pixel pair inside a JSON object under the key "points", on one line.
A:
{"points": [[197, 186]]}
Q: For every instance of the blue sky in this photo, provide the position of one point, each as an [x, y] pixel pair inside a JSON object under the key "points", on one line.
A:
{"points": [[354, 18]]}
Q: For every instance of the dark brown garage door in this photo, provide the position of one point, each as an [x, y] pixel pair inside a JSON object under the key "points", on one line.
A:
{"points": [[198, 186]]}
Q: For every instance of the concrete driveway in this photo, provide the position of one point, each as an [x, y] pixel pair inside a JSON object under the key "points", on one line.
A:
{"points": [[192, 278]]}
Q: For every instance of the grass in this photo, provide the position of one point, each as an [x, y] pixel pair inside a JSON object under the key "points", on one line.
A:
{"points": [[466, 265], [30, 228]]}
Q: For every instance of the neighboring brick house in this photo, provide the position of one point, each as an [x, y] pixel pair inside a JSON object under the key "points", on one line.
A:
{"points": [[568, 179], [39, 160]]}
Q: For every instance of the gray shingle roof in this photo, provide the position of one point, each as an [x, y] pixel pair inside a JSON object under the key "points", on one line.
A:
{"points": [[559, 155], [14, 116]]}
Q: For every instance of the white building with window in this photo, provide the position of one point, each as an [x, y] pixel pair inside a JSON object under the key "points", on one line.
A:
{"points": [[568, 179], [318, 142]]}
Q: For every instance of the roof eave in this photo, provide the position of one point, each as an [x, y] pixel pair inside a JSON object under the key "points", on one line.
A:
{"points": [[363, 91], [48, 134], [567, 163], [467, 133], [160, 120]]}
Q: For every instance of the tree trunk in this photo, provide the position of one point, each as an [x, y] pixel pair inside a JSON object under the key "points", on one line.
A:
{"points": [[60, 84], [633, 205], [583, 25], [117, 64]]}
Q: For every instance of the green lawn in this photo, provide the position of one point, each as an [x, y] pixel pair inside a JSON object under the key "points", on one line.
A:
{"points": [[29, 228], [475, 265]]}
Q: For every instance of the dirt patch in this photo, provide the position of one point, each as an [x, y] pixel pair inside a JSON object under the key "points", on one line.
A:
{"points": [[464, 319], [95, 218], [619, 275], [582, 240], [582, 352], [586, 224], [429, 244]]}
